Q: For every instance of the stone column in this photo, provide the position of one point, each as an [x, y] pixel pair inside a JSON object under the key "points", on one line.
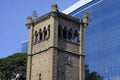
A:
{"points": [[83, 25], [55, 43], [30, 46], [54, 9], [82, 55]]}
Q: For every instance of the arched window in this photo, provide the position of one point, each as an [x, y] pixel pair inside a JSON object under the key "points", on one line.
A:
{"points": [[48, 31], [70, 34], [76, 37], [36, 37], [40, 34], [45, 33], [65, 33], [68, 61], [59, 31]]}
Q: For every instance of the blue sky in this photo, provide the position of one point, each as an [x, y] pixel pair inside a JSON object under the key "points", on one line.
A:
{"points": [[13, 14]]}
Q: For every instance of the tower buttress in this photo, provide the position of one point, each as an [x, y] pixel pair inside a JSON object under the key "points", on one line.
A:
{"points": [[83, 24], [30, 46]]}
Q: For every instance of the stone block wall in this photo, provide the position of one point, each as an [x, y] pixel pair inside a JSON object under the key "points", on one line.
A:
{"points": [[67, 66]]}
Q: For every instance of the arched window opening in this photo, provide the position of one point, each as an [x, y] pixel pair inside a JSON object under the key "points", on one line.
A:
{"points": [[70, 34], [68, 61], [45, 33], [48, 31], [40, 34], [65, 33], [59, 31], [36, 37], [76, 37]]}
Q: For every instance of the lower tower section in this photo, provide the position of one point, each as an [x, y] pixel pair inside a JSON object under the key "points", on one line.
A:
{"points": [[42, 65], [67, 65]]}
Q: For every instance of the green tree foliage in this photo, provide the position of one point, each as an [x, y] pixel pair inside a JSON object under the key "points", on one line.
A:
{"points": [[12, 65], [92, 75]]}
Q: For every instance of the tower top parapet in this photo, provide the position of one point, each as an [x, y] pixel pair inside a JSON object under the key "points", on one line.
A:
{"points": [[29, 22], [86, 18], [54, 8], [55, 13]]}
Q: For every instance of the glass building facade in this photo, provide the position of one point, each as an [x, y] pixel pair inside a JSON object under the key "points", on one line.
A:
{"points": [[102, 37], [24, 46]]}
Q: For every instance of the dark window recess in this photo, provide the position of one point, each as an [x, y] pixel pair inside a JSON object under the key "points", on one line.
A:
{"points": [[40, 77], [70, 34], [59, 31], [68, 61], [36, 37], [40, 34], [45, 33], [49, 31], [65, 33], [76, 37]]}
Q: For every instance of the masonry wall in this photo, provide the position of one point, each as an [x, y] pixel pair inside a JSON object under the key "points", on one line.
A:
{"points": [[44, 43], [68, 53], [67, 66], [69, 24], [42, 65], [54, 58], [68, 46]]}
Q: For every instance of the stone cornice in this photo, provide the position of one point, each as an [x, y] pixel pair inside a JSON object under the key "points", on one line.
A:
{"points": [[77, 54], [57, 14]]}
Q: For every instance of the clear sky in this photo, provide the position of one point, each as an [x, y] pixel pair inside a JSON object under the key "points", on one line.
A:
{"points": [[13, 14]]}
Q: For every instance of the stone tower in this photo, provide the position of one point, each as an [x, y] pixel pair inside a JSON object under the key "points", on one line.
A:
{"points": [[56, 47]]}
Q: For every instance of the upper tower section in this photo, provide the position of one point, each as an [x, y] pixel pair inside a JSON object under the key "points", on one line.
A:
{"points": [[55, 29]]}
